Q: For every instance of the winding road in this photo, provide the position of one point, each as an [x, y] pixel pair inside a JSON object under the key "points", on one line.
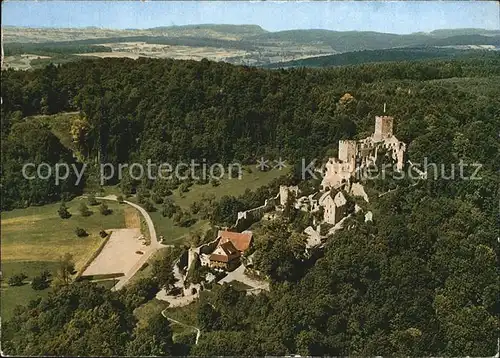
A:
{"points": [[152, 248]]}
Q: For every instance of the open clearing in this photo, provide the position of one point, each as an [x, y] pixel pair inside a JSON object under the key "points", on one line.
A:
{"points": [[251, 179], [131, 55], [21, 62], [119, 254], [135, 50], [33, 240], [39, 234]]}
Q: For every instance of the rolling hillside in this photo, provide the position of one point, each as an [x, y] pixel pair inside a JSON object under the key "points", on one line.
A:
{"points": [[237, 44], [387, 55]]}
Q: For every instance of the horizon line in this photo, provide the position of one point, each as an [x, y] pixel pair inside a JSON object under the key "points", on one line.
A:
{"points": [[242, 25]]}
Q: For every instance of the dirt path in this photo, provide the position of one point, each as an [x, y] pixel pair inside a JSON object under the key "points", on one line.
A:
{"points": [[198, 332]]}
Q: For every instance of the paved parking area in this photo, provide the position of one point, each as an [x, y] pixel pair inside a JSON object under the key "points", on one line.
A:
{"points": [[119, 254]]}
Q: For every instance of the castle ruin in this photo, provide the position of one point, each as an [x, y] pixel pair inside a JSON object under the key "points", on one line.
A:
{"points": [[354, 155]]}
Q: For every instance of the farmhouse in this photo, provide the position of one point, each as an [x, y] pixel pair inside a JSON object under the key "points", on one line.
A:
{"points": [[225, 256], [241, 241], [229, 249]]}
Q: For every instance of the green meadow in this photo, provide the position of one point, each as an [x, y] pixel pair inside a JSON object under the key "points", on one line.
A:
{"points": [[33, 240]]}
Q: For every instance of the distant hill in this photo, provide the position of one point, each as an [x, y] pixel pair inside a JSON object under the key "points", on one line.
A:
{"points": [[335, 37], [388, 55], [349, 41], [239, 30], [460, 32], [465, 40]]}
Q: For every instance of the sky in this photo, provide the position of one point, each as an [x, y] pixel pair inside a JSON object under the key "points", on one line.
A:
{"points": [[400, 17]]}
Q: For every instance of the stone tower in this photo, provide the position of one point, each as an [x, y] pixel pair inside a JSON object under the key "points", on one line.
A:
{"points": [[285, 191], [383, 128], [347, 152]]}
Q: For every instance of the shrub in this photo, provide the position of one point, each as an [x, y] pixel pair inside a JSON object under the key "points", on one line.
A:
{"points": [[84, 210], [184, 187], [63, 211], [92, 200], [120, 199], [39, 283], [104, 209], [183, 219], [201, 181], [148, 206], [214, 182], [17, 280], [142, 195], [169, 208], [195, 207], [324, 228], [81, 232], [45, 274], [156, 198]]}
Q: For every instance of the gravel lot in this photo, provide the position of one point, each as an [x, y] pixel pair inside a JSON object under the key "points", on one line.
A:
{"points": [[119, 255]]}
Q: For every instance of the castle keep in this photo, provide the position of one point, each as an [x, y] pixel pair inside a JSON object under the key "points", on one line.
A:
{"points": [[354, 155]]}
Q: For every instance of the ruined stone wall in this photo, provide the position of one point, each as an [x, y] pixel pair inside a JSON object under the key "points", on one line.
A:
{"points": [[247, 218]]}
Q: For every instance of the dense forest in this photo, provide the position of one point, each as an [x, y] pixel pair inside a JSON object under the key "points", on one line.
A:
{"points": [[168, 111], [421, 279]]}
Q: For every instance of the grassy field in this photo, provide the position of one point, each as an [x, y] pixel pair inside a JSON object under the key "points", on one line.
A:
{"points": [[149, 309], [39, 234], [33, 239], [60, 125], [186, 315], [13, 296], [20, 295], [251, 179], [172, 233]]}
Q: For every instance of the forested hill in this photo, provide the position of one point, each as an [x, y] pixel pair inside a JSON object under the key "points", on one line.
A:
{"points": [[167, 110], [420, 280], [385, 55]]}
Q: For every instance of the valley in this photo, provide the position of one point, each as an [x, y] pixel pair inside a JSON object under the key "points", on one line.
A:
{"points": [[236, 44]]}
